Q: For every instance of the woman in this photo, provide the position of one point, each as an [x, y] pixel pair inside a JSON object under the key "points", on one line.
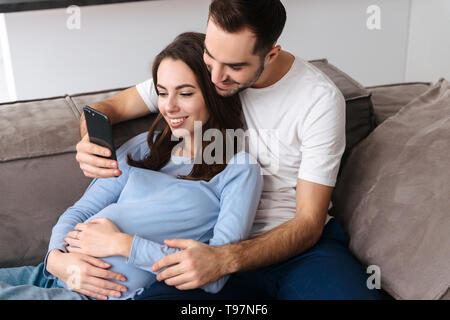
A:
{"points": [[170, 192]]}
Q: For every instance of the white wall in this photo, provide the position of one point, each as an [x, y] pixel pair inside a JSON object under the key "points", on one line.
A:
{"points": [[116, 43], [337, 30], [113, 47], [429, 41], [7, 90]]}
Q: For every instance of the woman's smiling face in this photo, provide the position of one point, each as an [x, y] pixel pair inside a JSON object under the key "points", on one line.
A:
{"points": [[180, 98]]}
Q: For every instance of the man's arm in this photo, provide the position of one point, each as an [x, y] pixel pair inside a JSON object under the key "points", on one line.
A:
{"points": [[123, 106], [323, 143], [288, 239], [239, 198], [283, 242]]}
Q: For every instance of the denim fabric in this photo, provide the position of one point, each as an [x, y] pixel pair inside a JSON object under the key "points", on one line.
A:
{"points": [[29, 283]]}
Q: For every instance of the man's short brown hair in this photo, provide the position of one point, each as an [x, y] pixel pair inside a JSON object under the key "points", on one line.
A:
{"points": [[265, 18]]}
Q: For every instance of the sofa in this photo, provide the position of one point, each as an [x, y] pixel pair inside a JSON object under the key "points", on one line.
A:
{"points": [[376, 198]]}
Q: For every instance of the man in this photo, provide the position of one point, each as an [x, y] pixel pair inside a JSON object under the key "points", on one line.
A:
{"points": [[297, 251]]}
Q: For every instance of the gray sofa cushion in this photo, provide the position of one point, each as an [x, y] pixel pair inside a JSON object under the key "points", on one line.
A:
{"points": [[393, 198], [40, 177], [37, 191], [389, 99], [36, 128]]}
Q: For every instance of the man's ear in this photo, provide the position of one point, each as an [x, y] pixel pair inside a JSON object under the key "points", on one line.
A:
{"points": [[272, 55]]}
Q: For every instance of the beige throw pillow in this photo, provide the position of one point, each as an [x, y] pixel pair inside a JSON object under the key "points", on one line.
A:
{"points": [[393, 198]]}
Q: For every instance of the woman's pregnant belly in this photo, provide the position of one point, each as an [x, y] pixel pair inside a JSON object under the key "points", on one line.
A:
{"points": [[136, 279], [139, 220], [164, 213]]}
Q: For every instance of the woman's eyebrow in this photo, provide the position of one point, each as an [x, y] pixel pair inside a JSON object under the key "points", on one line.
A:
{"points": [[181, 86]]}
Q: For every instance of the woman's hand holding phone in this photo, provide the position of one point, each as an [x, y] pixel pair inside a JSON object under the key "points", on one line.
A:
{"points": [[89, 156]]}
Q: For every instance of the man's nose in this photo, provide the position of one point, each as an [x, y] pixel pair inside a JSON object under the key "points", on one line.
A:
{"points": [[218, 74]]}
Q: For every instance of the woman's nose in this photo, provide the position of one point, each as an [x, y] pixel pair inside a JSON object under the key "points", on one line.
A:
{"points": [[171, 105]]}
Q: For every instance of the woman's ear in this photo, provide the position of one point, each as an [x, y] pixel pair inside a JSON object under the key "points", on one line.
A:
{"points": [[272, 55]]}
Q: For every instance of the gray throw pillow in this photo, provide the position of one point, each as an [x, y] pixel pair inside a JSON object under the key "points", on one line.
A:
{"points": [[393, 198]]}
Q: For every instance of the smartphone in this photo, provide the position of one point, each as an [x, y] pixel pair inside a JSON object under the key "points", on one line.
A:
{"points": [[99, 130]]}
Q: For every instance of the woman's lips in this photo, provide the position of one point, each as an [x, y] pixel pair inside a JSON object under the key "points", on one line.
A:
{"points": [[177, 124]]}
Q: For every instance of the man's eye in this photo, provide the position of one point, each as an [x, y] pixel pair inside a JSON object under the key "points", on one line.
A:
{"points": [[236, 68]]}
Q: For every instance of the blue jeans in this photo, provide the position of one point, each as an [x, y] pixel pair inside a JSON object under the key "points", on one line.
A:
{"points": [[29, 283], [326, 271]]}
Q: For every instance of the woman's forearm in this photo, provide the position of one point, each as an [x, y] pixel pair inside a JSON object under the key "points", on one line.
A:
{"points": [[124, 243], [52, 256]]}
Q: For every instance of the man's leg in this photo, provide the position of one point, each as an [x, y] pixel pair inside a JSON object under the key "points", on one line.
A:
{"points": [[326, 271], [29, 283], [238, 287]]}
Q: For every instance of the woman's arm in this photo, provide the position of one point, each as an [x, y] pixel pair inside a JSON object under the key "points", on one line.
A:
{"points": [[99, 194], [240, 194], [57, 263], [238, 204]]}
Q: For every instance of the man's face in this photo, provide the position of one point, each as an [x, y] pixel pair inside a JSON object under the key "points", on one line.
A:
{"points": [[230, 59]]}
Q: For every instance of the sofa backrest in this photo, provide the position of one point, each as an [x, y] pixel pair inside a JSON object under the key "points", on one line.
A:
{"points": [[39, 176]]}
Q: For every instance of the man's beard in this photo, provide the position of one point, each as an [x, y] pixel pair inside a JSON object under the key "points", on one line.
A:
{"points": [[246, 85]]}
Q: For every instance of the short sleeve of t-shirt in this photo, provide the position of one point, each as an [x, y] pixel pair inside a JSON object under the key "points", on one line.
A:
{"points": [[323, 139], [148, 93]]}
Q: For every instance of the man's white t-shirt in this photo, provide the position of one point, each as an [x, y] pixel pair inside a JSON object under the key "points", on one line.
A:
{"points": [[296, 130]]}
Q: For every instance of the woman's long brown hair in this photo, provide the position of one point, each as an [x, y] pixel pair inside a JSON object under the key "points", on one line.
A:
{"points": [[225, 113]]}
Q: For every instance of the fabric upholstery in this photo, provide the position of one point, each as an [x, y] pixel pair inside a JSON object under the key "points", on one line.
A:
{"points": [[36, 128], [393, 198], [389, 99], [39, 175]]}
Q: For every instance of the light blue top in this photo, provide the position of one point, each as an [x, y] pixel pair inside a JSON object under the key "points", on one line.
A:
{"points": [[155, 205]]}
